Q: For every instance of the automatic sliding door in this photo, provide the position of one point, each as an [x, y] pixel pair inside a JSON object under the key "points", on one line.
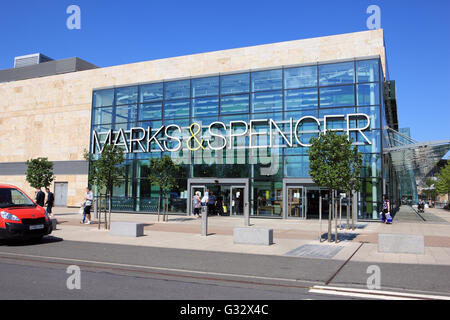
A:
{"points": [[237, 201], [295, 202]]}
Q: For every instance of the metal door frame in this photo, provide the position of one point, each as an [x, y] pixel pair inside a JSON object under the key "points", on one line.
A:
{"points": [[299, 183], [191, 193], [61, 183], [302, 198], [228, 181], [231, 199]]}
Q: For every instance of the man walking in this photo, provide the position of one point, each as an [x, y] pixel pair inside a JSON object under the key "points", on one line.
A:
{"points": [[50, 201], [211, 203], [88, 204], [40, 197]]}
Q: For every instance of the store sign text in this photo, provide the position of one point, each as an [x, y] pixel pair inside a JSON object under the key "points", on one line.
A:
{"points": [[138, 139]]}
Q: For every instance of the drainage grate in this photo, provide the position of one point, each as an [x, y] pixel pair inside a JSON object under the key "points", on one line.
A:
{"points": [[314, 251]]}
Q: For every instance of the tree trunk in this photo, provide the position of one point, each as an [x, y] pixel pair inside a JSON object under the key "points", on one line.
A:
{"points": [[330, 213], [348, 210], [336, 203], [353, 215], [159, 203], [167, 208], [109, 211]]}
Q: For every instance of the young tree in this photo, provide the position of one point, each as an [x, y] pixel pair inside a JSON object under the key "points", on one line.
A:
{"points": [[39, 173], [354, 184], [163, 173], [333, 163], [443, 181], [106, 171]]}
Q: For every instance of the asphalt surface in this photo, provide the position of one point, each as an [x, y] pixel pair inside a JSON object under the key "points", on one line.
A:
{"points": [[107, 271]]}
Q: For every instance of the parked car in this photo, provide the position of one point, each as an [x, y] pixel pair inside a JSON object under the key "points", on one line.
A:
{"points": [[20, 216]]}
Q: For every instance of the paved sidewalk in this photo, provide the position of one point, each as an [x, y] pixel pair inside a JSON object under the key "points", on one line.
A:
{"points": [[291, 237]]}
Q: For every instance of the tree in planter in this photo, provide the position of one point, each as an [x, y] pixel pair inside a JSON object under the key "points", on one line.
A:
{"points": [[163, 173], [333, 163], [39, 173], [354, 184], [443, 181], [106, 171]]}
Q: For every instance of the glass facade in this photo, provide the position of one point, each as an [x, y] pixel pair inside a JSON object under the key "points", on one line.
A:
{"points": [[242, 147]]}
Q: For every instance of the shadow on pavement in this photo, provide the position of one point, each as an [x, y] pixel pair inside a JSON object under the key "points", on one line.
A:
{"points": [[30, 242]]}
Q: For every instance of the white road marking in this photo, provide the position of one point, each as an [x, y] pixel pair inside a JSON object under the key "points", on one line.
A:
{"points": [[157, 268], [374, 294]]}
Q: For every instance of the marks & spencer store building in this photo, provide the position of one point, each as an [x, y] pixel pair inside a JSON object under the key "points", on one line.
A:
{"points": [[238, 122]]}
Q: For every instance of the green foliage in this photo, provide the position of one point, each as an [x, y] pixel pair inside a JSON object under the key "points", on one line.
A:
{"points": [[334, 162], [40, 172], [443, 180], [163, 172], [106, 171]]}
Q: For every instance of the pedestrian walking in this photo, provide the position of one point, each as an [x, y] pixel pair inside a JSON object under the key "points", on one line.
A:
{"points": [[50, 202], [88, 204], [40, 197], [196, 204], [211, 203], [386, 209], [204, 202]]}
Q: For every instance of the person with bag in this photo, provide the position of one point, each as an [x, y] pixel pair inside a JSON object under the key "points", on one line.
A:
{"points": [[82, 204], [386, 209], [88, 204], [204, 202], [196, 204]]}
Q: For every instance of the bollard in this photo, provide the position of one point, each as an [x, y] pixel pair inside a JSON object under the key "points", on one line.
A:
{"points": [[204, 221]]}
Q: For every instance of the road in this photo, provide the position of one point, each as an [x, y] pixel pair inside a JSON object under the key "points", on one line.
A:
{"points": [[107, 271]]}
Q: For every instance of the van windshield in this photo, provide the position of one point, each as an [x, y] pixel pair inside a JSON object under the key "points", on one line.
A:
{"points": [[10, 197]]}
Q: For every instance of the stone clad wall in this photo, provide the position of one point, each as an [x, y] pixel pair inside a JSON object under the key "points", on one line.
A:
{"points": [[50, 116]]}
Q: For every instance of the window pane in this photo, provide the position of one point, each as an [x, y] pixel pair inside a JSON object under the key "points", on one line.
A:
{"points": [[205, 107], [267, 80], [267, 101], [103, 98], [300, 99], [337, 96], [374, 115], [300, 77], [367, 71], [234, 104], [337, 122], [177, 89], [368, 94], [126, 113], [372, 135], [234, 83], [338, 73], [150, 111], [151, 92], [176, 109], [102, 116], [205, 87], [126, 95], [296, 166]]}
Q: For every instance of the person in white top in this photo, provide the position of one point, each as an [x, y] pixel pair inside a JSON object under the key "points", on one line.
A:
{"points": [[88, 204]]}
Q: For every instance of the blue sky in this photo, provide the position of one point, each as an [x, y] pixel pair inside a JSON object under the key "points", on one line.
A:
{"points": [[417, 36]]}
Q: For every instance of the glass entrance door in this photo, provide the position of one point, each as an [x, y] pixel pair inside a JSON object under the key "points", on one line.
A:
{"points": [[295, 203], [237, 201], [196, 189]]}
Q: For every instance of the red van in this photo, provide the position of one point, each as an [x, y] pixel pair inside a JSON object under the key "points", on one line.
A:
{"points": [[20, 216]]}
